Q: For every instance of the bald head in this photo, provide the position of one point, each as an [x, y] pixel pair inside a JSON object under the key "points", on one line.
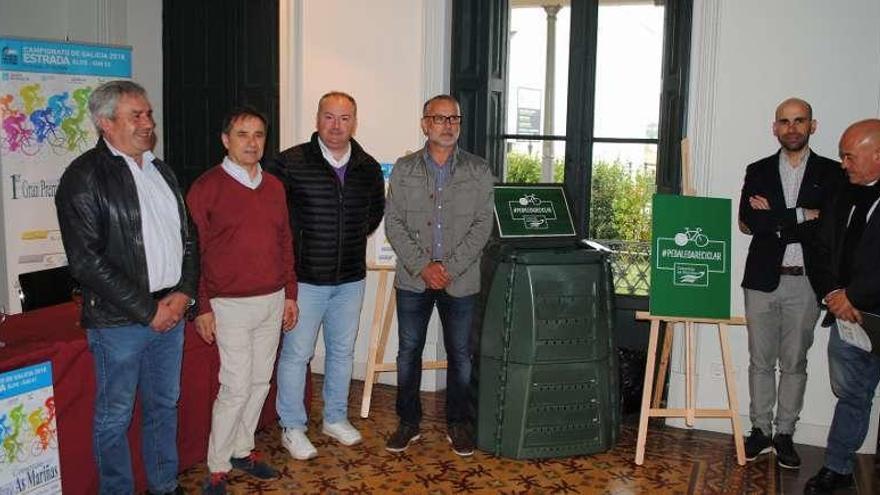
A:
{"points": [[795, 102], [860, 151]]}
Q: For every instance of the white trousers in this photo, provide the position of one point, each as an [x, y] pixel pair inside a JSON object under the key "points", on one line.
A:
{"points": [[248, 330]]}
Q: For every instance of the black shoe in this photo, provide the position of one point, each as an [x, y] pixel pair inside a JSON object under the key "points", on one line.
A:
{"points": [[253, 466], [786, 456], [758, 443], [826, 481], [459, 435], [402, 438]]}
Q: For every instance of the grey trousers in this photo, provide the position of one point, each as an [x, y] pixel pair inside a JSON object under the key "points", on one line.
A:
{"points": [[780, 328]]}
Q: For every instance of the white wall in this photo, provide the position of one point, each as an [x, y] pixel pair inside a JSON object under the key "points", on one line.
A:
{"points": [[391, 55], [747, 56]]}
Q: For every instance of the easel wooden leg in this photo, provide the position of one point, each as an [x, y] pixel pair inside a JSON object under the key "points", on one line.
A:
{"points": [[379, 332], [646, 392], [668, 334], [390, 311], [375, 353], [730, 381], [690, 375], [690, 411]]}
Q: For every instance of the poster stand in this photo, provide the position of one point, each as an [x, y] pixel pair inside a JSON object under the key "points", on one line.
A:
{"points": [[383, 315], [651, 406], [651, 394]]}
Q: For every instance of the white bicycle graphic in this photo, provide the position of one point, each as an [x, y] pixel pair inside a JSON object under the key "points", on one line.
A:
{"points": [[529, 199], [691, 235]]}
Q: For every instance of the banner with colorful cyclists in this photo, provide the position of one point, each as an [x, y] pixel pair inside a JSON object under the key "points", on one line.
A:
{"points": [[44, 124], [29, 461]]}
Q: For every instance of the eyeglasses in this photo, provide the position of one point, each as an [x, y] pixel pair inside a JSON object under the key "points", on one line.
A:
{"points": [[442, 119]]}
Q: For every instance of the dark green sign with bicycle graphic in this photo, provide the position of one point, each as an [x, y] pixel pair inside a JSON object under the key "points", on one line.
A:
{"points": [[532, 211], [690, 257]]}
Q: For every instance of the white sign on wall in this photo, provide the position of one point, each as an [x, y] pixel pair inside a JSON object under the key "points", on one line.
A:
{"points": [[379, 252]]}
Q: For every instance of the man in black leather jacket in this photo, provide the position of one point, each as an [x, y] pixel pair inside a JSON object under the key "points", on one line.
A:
{"points": [[126, 234]]}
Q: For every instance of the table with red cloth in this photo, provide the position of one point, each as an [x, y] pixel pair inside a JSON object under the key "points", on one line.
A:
{"points": [[53, 334]]}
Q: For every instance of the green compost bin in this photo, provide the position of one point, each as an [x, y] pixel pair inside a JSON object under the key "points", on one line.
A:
{"points": [[548, 363]]}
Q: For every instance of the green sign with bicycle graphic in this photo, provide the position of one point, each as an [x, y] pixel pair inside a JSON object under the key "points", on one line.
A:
{"points": [[690, 257], [532, 211]]}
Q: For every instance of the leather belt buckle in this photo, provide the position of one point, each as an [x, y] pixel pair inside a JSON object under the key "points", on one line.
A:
{"points": [[796, 271]]}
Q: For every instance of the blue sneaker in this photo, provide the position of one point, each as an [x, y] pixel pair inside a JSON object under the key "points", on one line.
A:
{"points": [[253, 466], [215, 484]]}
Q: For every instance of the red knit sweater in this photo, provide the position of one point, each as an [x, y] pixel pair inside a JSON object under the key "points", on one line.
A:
{"points": [[244, 237]]}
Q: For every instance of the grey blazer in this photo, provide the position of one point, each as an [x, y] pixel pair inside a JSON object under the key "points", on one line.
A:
{"points": [[467, 220]]}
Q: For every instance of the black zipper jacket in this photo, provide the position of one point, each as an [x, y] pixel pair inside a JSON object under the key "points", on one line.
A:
{"points": [[100, 220], [330, 221]]}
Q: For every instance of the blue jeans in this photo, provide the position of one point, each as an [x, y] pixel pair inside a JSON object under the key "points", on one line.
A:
{"points": [[130, 359], [854, 376], [413, 313], [338, 309]]}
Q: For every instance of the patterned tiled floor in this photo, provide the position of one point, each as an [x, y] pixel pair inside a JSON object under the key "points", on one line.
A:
{"points": [[677, 461]]}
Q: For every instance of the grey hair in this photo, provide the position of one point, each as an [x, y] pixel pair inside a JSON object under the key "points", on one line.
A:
{"points": [[105, 98], [440, 97]]}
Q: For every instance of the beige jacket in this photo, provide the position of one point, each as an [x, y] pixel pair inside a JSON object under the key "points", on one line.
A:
{"points": [[467, 220]]}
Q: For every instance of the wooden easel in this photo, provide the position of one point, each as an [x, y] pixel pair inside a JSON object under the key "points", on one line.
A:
{"points": [[651, 406], [383, 315]]}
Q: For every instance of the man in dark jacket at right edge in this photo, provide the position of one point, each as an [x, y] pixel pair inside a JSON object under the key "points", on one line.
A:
{"points": [[849, 243]]}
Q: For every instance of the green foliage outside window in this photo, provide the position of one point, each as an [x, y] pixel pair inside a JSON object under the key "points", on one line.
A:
{"points": [[620, 203]]}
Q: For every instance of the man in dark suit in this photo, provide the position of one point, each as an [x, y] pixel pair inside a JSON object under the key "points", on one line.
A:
{"points": [[780, 208], [849, 245]]}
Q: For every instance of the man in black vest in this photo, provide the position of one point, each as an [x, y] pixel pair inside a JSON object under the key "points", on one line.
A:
{"points": [[780, 208], [336, 198], [848, 282]]}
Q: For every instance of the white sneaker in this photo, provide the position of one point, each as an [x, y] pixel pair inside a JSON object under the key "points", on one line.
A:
{"points": [[297, 443], [343, 432]]}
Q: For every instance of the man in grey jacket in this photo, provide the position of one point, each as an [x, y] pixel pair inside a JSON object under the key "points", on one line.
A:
{"points": [[438, 218]]}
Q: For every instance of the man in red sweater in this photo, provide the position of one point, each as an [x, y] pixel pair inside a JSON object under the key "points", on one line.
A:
{"points": [[247, 289]]}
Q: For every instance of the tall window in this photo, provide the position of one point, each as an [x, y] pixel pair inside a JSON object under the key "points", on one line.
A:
{"points": [[593, 99], [537, 92]]}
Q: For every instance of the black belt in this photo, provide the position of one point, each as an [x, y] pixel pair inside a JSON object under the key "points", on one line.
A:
{"points": [[159, 294], [797, 271]]}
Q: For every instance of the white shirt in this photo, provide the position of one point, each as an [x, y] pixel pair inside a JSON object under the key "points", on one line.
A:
{"points": [[160, 221], [329, 156], [241, 175], [870, 211], [791, 185]]}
